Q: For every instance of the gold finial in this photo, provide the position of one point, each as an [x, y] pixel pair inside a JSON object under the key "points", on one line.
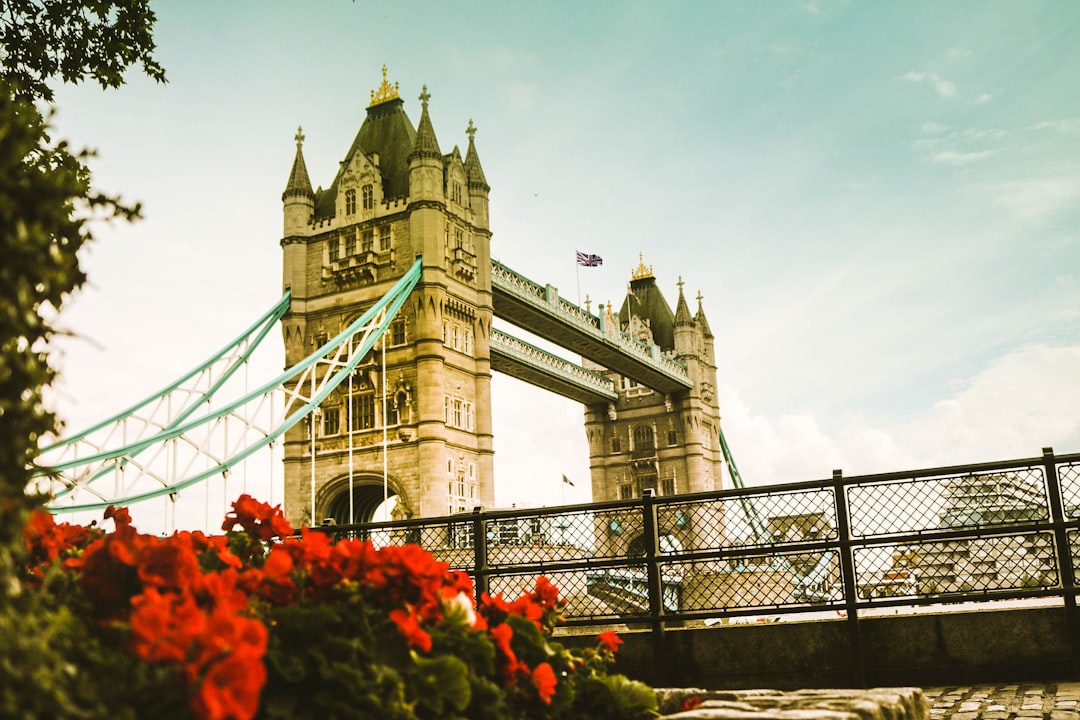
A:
{"points": [[299, 138], [642, 271], [385, 93]]}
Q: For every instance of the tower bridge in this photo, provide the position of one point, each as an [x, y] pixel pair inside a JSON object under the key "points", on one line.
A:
{"points": [[390, 292]]}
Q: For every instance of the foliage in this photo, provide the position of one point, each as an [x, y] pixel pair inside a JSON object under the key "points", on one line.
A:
{"points": [[45, 206], [262, 622], [96, 39], [45, 201]]}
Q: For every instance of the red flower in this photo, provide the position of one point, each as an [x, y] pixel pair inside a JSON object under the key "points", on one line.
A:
{"points": [[500, 636], [690, 703], [109, 584], [410, 628], [493, 609], [546, 594], [230, 688], [46, 541], [165, 627], [119, 515], [610, 640], [273, 581], [543, 679], [257, 518], [169, 564]]}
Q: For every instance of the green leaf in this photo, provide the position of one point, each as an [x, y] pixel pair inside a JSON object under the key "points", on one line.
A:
{"points": [[444, 682]]}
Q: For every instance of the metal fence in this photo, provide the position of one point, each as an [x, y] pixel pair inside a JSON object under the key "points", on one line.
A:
{"points": [[846, 545]]}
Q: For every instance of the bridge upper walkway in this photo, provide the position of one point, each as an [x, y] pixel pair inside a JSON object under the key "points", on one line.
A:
{"points": [[539, 308]]}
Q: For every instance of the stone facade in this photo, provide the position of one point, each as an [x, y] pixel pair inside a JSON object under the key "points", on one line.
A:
{"points": [[396, 197]]}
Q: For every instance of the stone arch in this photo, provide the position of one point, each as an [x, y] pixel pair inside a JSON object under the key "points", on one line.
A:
{"points": [[332, 500]]}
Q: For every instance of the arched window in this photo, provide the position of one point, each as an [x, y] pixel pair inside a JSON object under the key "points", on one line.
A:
{"points": [[398, 409], [644, 438], [350, 202], [369, 197]]}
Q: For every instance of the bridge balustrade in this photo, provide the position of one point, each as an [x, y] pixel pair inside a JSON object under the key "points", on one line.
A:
{"points": [[545, 299], [538, 295], [535, 357], [846, 547]]}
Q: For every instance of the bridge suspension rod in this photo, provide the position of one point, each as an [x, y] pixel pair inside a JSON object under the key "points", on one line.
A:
{"points": [[207, 436]]}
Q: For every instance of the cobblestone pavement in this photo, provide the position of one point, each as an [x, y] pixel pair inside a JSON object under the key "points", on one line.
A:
{"points": [[1052, 701]]}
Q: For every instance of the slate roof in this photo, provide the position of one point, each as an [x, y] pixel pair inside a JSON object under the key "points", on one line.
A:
{"points": [[386, 130], [647, 302], [299, 182]]}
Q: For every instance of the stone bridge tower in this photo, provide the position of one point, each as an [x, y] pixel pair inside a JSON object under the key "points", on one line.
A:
{"points": [[395, 198], [650, 440]]}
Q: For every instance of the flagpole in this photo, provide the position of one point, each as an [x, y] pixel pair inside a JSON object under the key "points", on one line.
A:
{"points": [[577, 271]]}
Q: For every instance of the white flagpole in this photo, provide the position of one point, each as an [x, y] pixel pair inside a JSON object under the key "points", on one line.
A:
{"points": [[577, 270]]}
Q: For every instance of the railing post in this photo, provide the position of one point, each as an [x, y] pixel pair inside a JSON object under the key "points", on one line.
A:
{"points": [[652, 573], [847, 575], [1064, 552], [480, 554]]}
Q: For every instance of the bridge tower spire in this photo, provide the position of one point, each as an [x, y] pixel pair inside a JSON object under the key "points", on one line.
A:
{"points": [[427, 418]]}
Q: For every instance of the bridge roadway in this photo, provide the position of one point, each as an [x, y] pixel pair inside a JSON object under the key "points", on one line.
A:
{"points": [[541, 311]]}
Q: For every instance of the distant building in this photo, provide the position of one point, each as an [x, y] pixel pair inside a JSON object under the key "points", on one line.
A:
{"points": [[1004, 561]]}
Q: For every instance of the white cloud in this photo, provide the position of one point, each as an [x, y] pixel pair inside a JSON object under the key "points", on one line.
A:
{"points": [[938, 147], [1066, 125], [1034, 198], [983, 99], [812, 8], [958, 159], [975, 134], [944, 88], [958, 54], [1020, 403]]}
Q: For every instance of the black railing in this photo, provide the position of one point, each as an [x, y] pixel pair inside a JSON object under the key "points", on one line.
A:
{"points": [[849, 546]]}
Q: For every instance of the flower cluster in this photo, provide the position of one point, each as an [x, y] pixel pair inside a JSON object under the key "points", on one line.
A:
{"points": [[266, 622]]}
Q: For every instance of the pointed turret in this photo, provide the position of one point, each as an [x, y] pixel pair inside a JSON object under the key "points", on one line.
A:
{"points": [[426, 169], [298, 199], [478, 185], [684, 326], [299, 184], [426, 145], [682, 310], [706, 333], [699, 318], [472, 161], [299, 209]]}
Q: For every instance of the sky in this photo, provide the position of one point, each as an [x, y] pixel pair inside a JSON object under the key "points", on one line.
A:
{"points": [[878, 202]]}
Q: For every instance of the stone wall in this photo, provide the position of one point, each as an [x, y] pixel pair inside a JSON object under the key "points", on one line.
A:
{"points": [[917, 650]]}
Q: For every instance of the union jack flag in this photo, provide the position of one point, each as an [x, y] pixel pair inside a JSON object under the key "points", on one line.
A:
{"points": [[589, 260]]}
